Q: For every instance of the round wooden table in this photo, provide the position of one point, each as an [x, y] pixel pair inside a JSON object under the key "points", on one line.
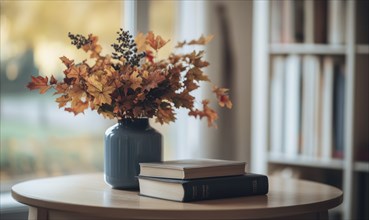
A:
{"points": [[89, 197]]}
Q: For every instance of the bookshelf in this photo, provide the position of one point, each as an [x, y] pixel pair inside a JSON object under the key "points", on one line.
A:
{"points": [[314, 140]]}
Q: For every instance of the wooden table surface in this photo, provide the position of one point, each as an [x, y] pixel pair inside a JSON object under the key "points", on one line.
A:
{"points": [[89, 196]]}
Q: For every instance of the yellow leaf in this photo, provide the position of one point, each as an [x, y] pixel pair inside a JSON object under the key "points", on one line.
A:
{"points": [[202, 40], [141, 42], [67, 62], [135, 80], [77, 107], [63, 100], [155, 42]]}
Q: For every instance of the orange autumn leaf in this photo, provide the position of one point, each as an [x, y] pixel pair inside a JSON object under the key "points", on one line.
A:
{"points": [[61, 88], [135, 80], [76, 92], [202, 40], [223, 97], [165, 115], [193, 57], [100, 93], [63, 100], [140, 41], [153, 79], [196, 74], [40, 83], [180, 44], [184, 99], [72, 72], [207, 112], [77, 107], [155, 42], [190, 85], [67, 62]]}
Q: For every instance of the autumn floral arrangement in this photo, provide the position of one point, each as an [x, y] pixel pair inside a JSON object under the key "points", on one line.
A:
{"points": [[131, 82]]}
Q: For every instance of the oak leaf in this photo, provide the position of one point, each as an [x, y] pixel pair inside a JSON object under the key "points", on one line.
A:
{"points": [[72, 72], [101, 93], [135, 80], [165, 114], [77, 107], [184, 99], [40, 83], [153, 79], [207, 112], [155, 42], [140, 41], [76, 92], [196, 73], [67, 62], [180, 44], [202, 40], [61, 88], [63, 100], [190, 85]]}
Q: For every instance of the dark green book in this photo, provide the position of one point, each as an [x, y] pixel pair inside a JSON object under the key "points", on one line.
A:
{"points": [[204, 189]]}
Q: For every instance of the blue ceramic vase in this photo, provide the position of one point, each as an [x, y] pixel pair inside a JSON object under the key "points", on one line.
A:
{"points": [[128, 143]]}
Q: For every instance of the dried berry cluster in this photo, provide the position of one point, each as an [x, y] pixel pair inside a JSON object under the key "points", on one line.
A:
{"points": [[127, 48], [78, 40]]}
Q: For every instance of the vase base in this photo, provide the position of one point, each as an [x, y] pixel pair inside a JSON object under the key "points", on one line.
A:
{"points": [[122, 184]]}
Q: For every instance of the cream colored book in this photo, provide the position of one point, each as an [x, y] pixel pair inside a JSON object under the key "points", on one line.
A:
{"points": [[192, 168]]}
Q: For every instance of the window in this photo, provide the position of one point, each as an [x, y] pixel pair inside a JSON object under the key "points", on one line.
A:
{"points": [[37, 138]]}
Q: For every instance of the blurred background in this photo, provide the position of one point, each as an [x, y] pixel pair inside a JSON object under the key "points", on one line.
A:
{"points": [[282, 60]]}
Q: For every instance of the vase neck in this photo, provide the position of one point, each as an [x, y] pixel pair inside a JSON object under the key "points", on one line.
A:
{"points": [[136, 123]]}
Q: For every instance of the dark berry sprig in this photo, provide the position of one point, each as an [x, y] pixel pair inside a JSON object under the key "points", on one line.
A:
{"points": [[78, 40], [127, 48]]}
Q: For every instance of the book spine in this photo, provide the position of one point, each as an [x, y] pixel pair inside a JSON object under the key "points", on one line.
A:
{"points": [[327, 119], [292, 106], [339, 111], [336, 21], [277, 100], [218, 188], [309, 21]]}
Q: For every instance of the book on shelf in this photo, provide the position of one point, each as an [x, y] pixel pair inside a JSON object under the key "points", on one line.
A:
{"points": [[192, 168], [307, 105], [309, 23], [275, 21], [298, 9], [327, 108], [339, 110], [336, 22], [362, 24], [205, 188], [311, 93], [320, 21], [292, 105], [288, 22], [305, 21], [277, 104]]}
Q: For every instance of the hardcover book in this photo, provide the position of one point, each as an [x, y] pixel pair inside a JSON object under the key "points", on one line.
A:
{"points": [[192, 168], [204, 189]]}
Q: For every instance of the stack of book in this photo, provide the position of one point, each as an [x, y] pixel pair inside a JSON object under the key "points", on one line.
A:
{"points": [[200, 179]]}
